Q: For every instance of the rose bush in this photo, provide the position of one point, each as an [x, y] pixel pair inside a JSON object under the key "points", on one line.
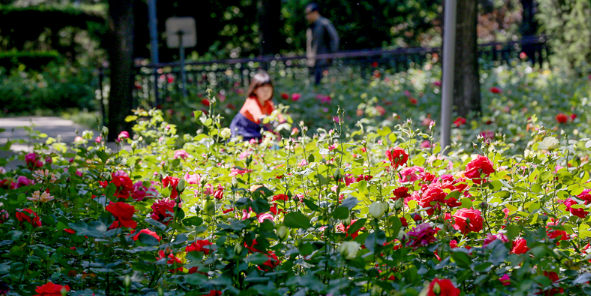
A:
{"points": [[295, 216]]}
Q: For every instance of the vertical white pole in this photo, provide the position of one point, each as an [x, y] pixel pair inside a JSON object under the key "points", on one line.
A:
{"points": [[449, 51]]}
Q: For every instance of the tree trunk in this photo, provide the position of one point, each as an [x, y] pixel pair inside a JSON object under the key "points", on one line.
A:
{"points": [[269, 25], [121, 23], [466, 76]]}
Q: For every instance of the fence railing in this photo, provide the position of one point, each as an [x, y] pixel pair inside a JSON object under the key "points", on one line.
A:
{"points": [[156, 81]]}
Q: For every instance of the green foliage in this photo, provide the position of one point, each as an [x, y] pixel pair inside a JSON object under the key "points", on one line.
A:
{"points": [[56, 87], [32, 60], [567, 25]]}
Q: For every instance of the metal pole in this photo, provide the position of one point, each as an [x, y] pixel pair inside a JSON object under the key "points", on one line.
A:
{"points": [[449, 51], [153, 24], [182, 56]]}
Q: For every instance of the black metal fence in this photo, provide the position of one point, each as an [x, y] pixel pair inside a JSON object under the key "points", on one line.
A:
{"points": [[156, 81]]}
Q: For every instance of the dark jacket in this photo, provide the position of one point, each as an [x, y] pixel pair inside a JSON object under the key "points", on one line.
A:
{"points": [[321, 37]]}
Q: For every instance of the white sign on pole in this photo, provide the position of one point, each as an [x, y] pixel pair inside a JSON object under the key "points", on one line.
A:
{"points": [[181, 26]]}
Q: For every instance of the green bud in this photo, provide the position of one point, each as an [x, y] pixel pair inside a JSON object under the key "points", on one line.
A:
{"points": [[238, 248], [436, 289], [376, 290], [127, 281], [181, 187], [160, 291], [283, 232], [105, 131], [209, 208], [134, 145]]}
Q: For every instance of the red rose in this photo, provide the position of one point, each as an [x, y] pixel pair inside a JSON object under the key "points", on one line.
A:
{"points": [[70, 231], [432, 197], [573, 116], [213, 293], [27, 215], [581, 213], [459, 121], [271, 263], [341, 227], [280, 197], [561, 118], [172, 260], [219, 193], [123, 213], [442, 287], [397, 156], [173, 182], [205, 102], [163, 209], [400, 192], [495, 90], [124, 186], [51, 289], [284, 96], [148, 232], [468, 220], [477, 167], [413, 101], [519, 246], [199, 246], [403, 221]]}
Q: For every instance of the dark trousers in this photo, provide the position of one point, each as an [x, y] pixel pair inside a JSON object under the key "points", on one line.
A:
{"points": [[317, 72]]}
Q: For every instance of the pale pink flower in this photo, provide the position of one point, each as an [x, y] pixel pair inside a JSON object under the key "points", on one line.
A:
{"points": [[193, 179], [123, 135], [303, 163], [120, 173], [181, 153], [237, 171]]}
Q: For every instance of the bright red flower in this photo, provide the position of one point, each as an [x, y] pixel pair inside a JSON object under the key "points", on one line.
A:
{"points": [[341, 227], [70, 231], [459, 121], [173, 182], [397, 156], [271, 263], [199, 246], [284, 96], [163, 209], [581, 213], [400, 192], [495, 90], [124, 186], [280, 197], [219, 193], [519, 246], [442, 287], [148, 232], [27, 215], [468, 220], [433, 197], [573, 116], [561, 118], [213, 293], [477, 167], [123, 212], [51, 289], [413, 101], [172, 260], [205, 102]]}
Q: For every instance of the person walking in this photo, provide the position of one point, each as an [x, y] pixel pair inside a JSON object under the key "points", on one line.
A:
{"points": [[321, 38]]}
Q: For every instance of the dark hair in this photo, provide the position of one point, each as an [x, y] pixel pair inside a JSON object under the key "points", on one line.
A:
{"points": [[260, 79], [312, 7]]}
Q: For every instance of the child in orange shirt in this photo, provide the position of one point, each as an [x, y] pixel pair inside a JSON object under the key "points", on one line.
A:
{"points": [[258, 105]]}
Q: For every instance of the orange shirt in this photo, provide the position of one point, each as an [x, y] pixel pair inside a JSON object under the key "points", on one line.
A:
{"points": [[253, 110]]}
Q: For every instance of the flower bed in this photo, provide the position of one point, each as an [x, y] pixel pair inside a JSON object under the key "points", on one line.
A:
{"points": [[312, 214]]}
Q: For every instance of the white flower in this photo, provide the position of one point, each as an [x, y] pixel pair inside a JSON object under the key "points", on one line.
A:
{"points": [[377, 209], [349, 249], [2, 170], [226, 133], [549, 143]]}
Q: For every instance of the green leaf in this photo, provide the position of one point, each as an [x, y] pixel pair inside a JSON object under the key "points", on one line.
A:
{"points": [[130, 118], [257, 258], [110, 190], [147, 239], [462, 259], [396, 224], [341, 213], [310, 204], [192, 221], [297, 220], [357, 225]]}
